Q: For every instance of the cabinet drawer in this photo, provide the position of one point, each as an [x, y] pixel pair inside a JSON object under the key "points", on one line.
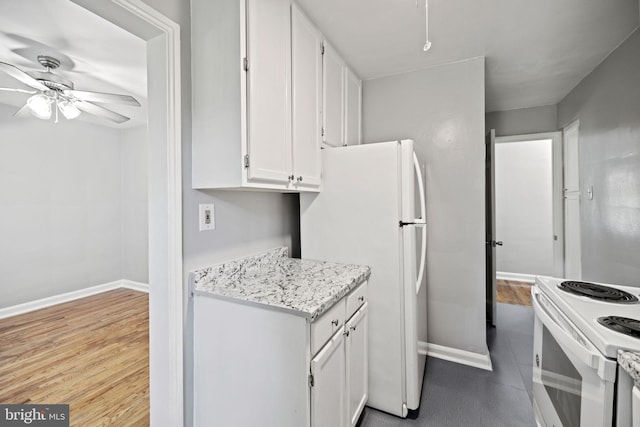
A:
{"points": [[356, 298], [326, 325]]}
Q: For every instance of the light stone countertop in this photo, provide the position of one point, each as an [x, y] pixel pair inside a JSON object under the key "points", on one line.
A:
{"points": [[630, 362], [303, 287]]}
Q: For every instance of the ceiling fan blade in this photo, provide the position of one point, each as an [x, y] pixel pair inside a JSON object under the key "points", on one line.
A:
{"points": [[99, 111], [23, 112], [18, 74], [10, 89], [110, 98]]}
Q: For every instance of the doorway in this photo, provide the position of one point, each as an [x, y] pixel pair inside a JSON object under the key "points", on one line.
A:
{"points": [[162, 37], [527, 213], [165, 308]]}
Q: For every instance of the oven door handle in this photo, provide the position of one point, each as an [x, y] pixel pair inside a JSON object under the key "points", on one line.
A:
{"points": [[587, 356]]}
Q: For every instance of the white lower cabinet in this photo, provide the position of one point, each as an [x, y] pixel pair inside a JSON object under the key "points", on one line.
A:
{"points": [[339, 375], [256, 366], [357, 367], [328, 393]]}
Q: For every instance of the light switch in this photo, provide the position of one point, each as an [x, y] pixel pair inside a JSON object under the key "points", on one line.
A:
{"points": [[207, 219]]}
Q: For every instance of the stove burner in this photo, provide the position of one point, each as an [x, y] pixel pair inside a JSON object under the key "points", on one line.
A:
{"points": [[599, 292], [624, 325]]}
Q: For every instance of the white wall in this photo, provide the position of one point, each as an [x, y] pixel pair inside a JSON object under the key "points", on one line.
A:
{"points": [[135, 229], [524, 208], [607, 103], [72, 206], [60, 207], [442, 109]]}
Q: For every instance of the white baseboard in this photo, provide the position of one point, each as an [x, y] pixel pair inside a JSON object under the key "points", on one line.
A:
{"points": [[518, 277], [477, 360], [136, 286], [26, 307]]}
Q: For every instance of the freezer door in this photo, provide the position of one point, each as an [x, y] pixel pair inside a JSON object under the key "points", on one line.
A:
{"points": [[355, 219]]}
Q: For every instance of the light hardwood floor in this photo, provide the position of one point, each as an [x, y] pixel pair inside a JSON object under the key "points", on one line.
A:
{"points": [[91, 353], [513, 292]]}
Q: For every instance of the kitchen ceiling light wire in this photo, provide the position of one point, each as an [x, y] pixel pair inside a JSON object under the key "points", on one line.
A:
{"points": [[427, 44]]}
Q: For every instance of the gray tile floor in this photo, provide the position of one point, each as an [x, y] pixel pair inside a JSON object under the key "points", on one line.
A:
{"points": [[460, 396]]}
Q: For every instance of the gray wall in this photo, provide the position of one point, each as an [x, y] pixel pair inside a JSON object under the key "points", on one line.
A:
{"points": [[607, 102], [63, 205], [442, 109], [523, 121]]}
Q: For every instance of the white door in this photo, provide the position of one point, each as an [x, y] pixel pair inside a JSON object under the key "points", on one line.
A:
{"points": [[490, 227], [328, 386], [307, 98], [333, 96], [357, 367], [353, 95], [571, 176], [269, 90]]}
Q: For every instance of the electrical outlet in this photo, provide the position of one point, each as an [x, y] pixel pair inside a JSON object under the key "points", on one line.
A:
{"points": [[207, 217]]}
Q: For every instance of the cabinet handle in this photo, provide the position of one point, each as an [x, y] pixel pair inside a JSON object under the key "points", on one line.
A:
{"points": [[353, 328], [300, 178], [346, 333], [361, 298], [334, 322], [291, 177]]}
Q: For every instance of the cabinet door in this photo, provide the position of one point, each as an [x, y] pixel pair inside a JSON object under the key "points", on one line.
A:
{"points": [[333, 96], [328, 390], [307, 98], [269, 90], [353, 96], [357, 364]]}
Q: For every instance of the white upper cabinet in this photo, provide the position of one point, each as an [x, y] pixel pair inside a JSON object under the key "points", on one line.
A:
{"points": [[333, 96], [242, 86], [307, 98], [342, 95], [353, 108], [269, 90]]}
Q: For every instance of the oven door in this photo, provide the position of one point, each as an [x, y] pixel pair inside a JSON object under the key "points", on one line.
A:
{"points": [[573, 383]]}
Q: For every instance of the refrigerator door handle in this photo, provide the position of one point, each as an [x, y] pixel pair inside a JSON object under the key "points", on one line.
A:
{"points": [[422, 222]]}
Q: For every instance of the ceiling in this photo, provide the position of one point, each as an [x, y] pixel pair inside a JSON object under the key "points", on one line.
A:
{"points": [[536, 50], [95, 54]]}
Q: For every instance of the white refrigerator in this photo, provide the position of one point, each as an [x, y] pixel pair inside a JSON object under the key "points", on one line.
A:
{"points": [[371, 211]]}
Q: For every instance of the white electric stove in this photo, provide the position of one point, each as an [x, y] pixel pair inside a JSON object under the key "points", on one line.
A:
{"points": [[579, 328]]}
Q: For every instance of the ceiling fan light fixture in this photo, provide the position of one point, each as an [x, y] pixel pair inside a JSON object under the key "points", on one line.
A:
{"points": [[68, 109], [40, 106]]}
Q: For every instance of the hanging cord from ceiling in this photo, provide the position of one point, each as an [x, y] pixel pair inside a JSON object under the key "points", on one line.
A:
{"points": [[427, 44]]}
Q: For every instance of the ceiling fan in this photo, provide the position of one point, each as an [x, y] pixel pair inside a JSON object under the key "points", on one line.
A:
{"points": [[54, 94]]}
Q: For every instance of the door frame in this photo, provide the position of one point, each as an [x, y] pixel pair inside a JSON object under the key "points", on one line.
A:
{"points": [[557, 183], [573, 124], [166, 324]]}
